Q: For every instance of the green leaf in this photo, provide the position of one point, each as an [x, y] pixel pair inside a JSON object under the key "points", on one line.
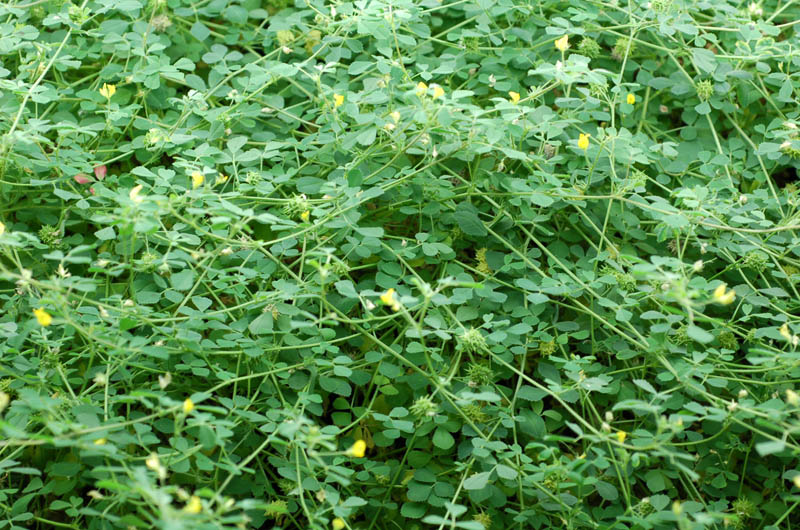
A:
{"points": [[771, 447], [704, 59], [199, 31], [443, 439], [183, 280], [105, 233], [477, 481], [699, 334], [703, 108], [466, 216], [346, 289], [606, 490], [506, 472]]}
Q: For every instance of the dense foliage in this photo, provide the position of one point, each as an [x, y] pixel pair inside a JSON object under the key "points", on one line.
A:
{"points": [[476, 264]]}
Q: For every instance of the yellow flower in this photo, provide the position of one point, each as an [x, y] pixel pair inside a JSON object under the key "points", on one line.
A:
{"points": [[395, 116], [358, 449], [796, 481], [422, 88], [152, 462], [437, 91], [100, 441], [197, 179], [631, 99], [221, 179], [784, 331], [188, 405], [305, 215], [583, 141], [194, 505], [134, 194], [514, 97], [621, 435], [108, 90], [338, 523], [5, 399], [562, 44], [388, 299], [722, 296], [2, 229], [792, 398], [338, 100], [43, 317]]}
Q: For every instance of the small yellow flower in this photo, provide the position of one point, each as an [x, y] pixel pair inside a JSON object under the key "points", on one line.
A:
{"points": [[108, 90], [358, 449], [631, 99], [562, 44], [134, 194], [43, 317], [514, 97], [437, 91], [583, 141], [188, 405], [388, 299], [194, 505], [5, 399], [621, 435], [305, 215], [152, 462], [723, 296], [338, 100], [221, 179], [197, 179], [100, 441], [395, 116], [422, 88], [784, 331], [792, 398], [338, 524], [796, 481], [2, 229]]}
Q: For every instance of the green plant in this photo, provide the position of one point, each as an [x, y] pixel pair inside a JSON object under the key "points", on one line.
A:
{"points": [[372, 265]]}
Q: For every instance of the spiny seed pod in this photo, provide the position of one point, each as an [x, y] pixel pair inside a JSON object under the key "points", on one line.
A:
{"points": [[479, 374], [728, 340], [472, 44], [791, 271], [472, 340], [424, 407], [284, 37], [160, 23], [704, 89], [546, 349], [50, 236], [598, 90], [276, 509], [482, 265], [681, 335], [660, 6], [644, 508], [475, 413], [756, 260], [296, 206], [623, 46], [744, 507], [484, 519], [286, 485], [589, 48], [313, 38], [789, 150]]}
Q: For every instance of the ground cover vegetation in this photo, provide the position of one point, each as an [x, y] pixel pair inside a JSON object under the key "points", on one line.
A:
{"points": [[475, 264]]}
